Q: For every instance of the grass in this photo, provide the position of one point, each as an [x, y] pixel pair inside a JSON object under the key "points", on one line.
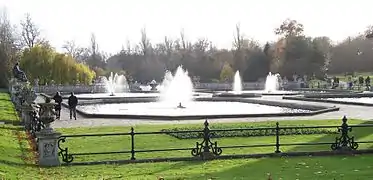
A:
{"points": [[322, 168], [15, 153], [16, 159], [144, 142], [7, 112], [339, 167]]}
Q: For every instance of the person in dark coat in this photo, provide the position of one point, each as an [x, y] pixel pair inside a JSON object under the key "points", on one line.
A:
{"points": [[367, 83], [58, 99], [73, 102]]}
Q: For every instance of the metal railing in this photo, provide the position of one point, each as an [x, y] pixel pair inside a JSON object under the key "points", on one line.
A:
{"points": [[207, 148]]}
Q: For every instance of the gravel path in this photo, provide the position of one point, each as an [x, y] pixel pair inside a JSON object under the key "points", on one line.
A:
{"points": [[351, 111]]}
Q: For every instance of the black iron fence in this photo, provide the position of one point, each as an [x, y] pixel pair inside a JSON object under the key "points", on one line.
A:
{"points": [[206, 148]]}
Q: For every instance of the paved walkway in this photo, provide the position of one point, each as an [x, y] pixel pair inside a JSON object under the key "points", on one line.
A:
{"points": [[351, 111]]}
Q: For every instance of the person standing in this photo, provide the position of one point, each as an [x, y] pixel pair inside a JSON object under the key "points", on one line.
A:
{"points": [[73, 102], [58, 100], [367, 83]]}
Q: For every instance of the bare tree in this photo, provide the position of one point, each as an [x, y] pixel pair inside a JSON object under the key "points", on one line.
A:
{"points": [[73, 50], [168, 44], [238, 39], [30, 32], [201, 45], [94, 45], [129, 47], [144, 43], [183, 41]]}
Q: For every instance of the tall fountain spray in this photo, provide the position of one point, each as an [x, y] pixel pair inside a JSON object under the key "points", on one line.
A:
{"points": [[116, 83], [176, 90], [237, 83], [272, 83], [166, 81]]}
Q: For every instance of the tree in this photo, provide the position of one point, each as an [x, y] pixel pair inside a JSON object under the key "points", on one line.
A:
{"points": [[75, 51], [226, 73], [238, 39], [369, 32], [95, 58], [9, 49], [239, 54], [145, 45], [290, 28], [44, 63], [30, 32], [37, 63]]}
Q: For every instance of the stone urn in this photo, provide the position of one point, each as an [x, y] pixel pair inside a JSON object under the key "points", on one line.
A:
{"points": [[153, 84], [47, 114], [28, 94]]}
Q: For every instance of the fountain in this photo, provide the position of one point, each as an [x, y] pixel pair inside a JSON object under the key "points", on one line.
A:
{"points": [[168, 77], [271, 87], [177, 89], [176, 102], [116, 83], [237, 83], [272, 83]]}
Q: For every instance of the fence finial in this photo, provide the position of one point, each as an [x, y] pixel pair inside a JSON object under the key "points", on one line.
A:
{"points": [[344, 119], [206, 123]]}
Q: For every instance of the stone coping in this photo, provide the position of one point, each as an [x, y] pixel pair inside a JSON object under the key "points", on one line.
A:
{"points": [[338, 95], [313, 108], [319, 99], [258, 94], [326, 90]]}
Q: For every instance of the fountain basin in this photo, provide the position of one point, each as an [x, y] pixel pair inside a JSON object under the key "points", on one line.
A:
{"points": [[201, 108]]}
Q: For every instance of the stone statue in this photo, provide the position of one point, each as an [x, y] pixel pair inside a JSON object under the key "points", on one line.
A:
{"points": [[180, 106], [18, 73], [153, 84]]}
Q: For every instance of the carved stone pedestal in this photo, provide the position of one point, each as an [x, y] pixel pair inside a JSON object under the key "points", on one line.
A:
{"points": [[47, 147], [26, 117]]}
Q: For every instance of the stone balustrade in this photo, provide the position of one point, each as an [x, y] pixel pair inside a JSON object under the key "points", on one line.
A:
{"points": [[36, 118]]}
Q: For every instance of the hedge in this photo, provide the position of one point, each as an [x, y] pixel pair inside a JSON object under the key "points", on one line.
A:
{"points": [[246, 133]]}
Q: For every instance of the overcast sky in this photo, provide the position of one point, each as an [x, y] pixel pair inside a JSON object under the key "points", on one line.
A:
{"points": [[116, 21]]}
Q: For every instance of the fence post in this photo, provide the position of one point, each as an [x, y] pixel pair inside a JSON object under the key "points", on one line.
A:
{"points": [[203, 149], [344, 142], [277, 138], [133, 144], [206, 137]]}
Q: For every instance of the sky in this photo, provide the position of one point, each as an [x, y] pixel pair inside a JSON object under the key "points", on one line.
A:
{"points": [[114, 22]]}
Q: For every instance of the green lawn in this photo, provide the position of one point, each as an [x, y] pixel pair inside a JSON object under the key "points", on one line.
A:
{"points": [[15, 154], [7, 112], [17, 160], [339, 167]]}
